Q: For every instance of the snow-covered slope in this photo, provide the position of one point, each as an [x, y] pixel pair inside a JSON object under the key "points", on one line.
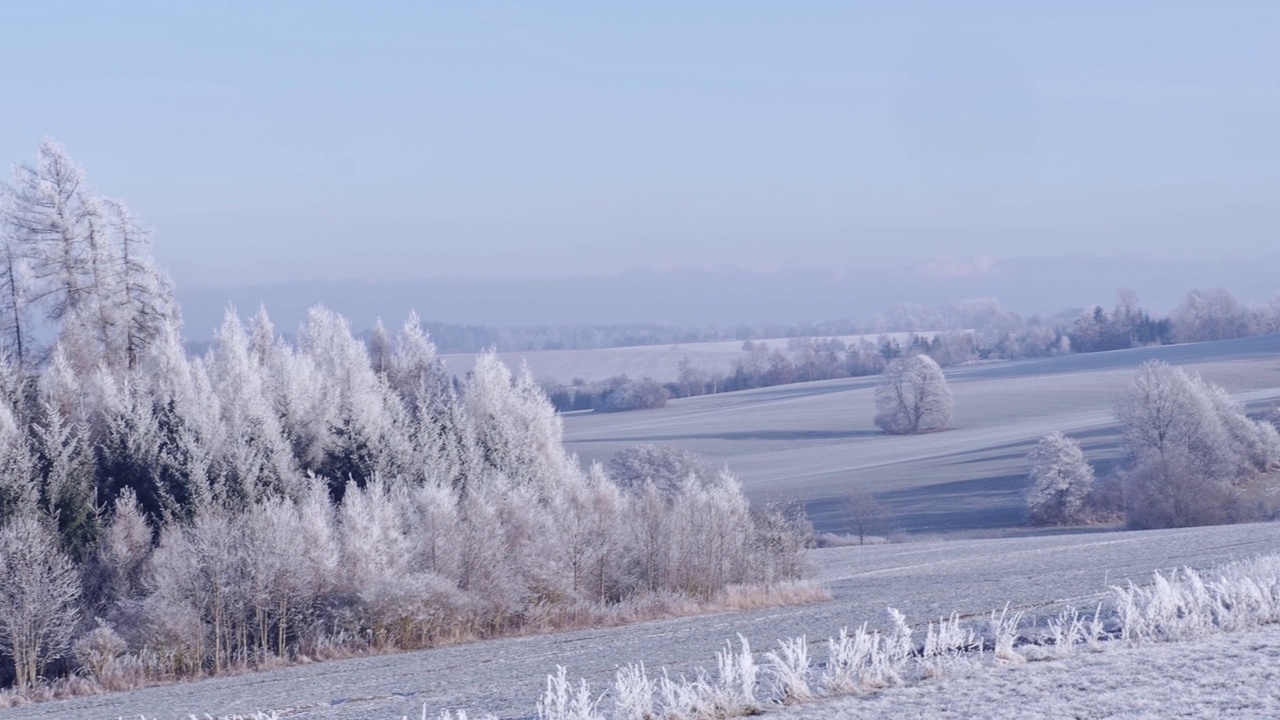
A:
{"points": [[815, 442]]}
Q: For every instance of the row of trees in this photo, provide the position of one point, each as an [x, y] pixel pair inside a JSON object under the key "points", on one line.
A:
{"points": [[165, 514], [952, 335], [1201, 315], [804, 360], [616, 394], [1192, 458]]}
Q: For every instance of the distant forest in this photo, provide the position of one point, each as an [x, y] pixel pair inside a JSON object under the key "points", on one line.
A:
{"points": [[1202, 315], [956, 334]]}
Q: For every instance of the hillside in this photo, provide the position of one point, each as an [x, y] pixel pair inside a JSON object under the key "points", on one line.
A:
{"points": [[815, 442]]}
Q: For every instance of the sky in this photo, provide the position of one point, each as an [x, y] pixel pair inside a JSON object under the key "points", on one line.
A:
{"points": [[385, 141]]}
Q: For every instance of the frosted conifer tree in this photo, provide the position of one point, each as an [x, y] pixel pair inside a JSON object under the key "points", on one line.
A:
{"points": [[19, 491], [254, 456], [517, 429], [51, 215], [364, 431]]}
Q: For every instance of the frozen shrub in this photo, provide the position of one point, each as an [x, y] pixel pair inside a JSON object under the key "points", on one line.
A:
{"points": [[562, 702], [97, 649], [788, 670], [684, 700], [855, 662], [633, 694], [1070, 630], [945, 642], [735, 688], [1004, 630]]}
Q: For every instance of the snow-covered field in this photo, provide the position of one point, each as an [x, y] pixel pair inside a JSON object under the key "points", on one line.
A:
{"points": [[923, 579], [660, 362], [1231, 675], [815, 442]]}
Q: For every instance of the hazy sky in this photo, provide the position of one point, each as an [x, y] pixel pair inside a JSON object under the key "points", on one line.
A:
{"points": [[280, 141]]}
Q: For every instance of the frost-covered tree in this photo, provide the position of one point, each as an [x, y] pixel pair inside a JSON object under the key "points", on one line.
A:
{"points": [[517, 429], [116, 580], [442, 434], [1192, 452], [19, 485], [254, 458], [39, 588], [379, 348], [131, 448], [1166, 409], [68, 490], [913, 397], [1060, 481], [51, 215], [587, 517], [15, 321], [363, 432], [83, 260], [713, 534], [665, 467], [866, 515], [1210, 315]]}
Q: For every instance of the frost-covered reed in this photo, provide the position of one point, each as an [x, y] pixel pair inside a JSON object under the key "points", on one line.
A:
{"points": [[1174, 606]]}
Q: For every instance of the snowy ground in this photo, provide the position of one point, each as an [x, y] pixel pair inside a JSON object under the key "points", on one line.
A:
{"points": [[923, 579], [815, 442], [1229, 675]]}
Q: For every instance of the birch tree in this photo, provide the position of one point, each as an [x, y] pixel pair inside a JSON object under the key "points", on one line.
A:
{"points": [[39, 588]]}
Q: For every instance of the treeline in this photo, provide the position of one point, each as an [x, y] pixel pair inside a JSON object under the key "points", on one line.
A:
{"points": [[455, 338], [165, 515], [956, 334], [762, 365], [1202, 315]]}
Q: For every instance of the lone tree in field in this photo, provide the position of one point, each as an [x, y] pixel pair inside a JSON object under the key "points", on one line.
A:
{"points": [[866, 515], [913, 397], [1060, 481]]}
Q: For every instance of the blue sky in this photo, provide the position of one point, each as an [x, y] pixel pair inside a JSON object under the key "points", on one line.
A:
{"points": [[284, 141]]}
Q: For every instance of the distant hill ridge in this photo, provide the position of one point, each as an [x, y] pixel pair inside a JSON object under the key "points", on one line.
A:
{"points": [[700, 298]]}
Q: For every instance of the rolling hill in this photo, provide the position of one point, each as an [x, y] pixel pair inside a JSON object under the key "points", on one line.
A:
{"points": [[814, 443]]}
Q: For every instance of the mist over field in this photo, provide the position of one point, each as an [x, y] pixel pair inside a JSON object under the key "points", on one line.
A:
{"points": [[1044, 285]]}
